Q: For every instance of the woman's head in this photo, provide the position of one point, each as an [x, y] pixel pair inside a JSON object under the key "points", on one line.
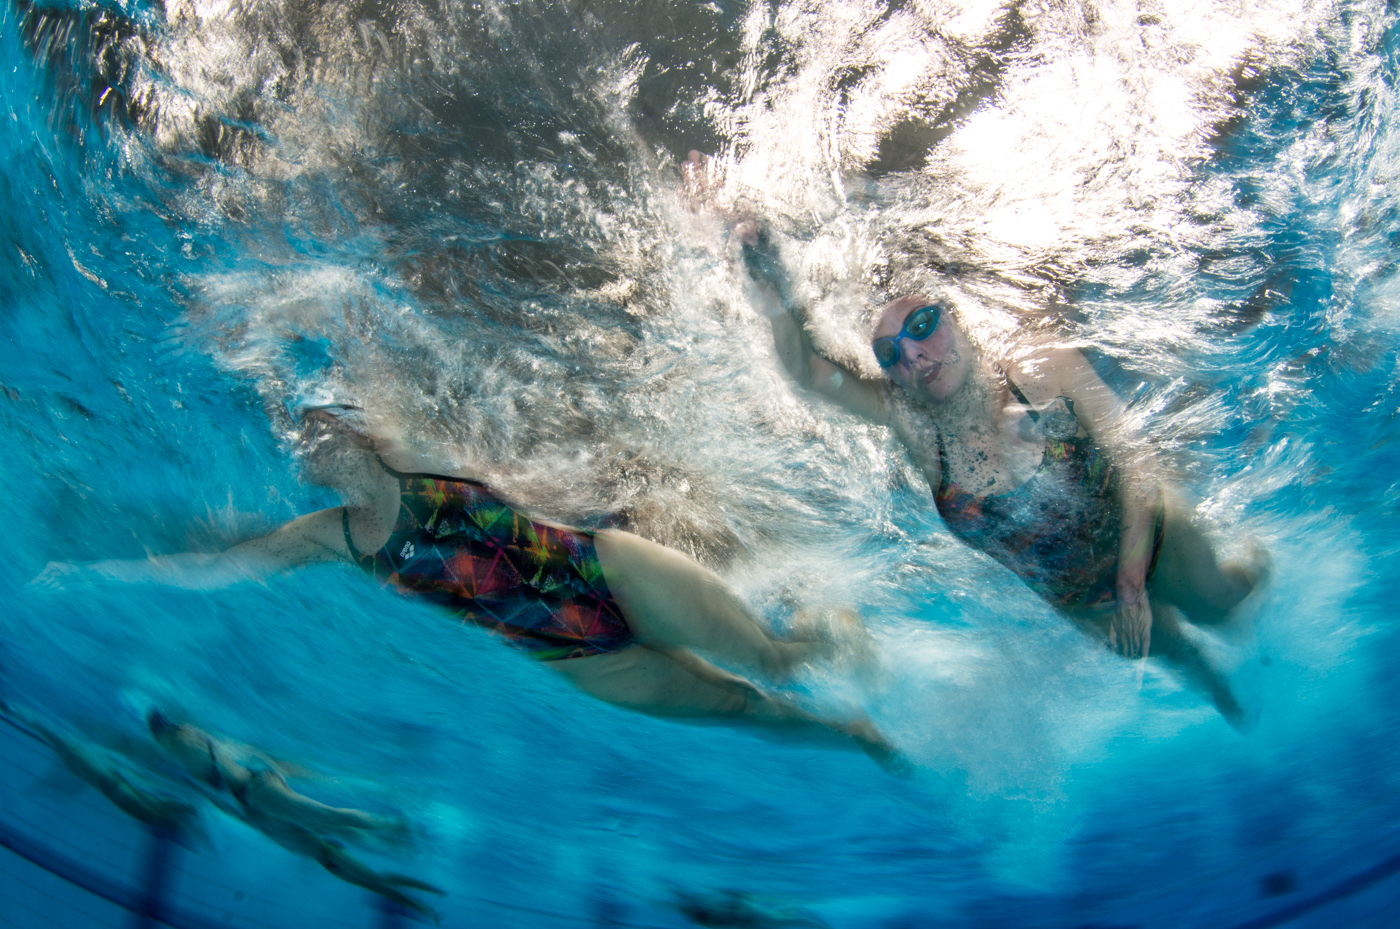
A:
{"points": [[920, 347], [187, 744], [334, 445]]}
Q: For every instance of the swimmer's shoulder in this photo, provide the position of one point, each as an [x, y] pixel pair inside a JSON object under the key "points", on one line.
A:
{"points": [[1044, 370], [408, 463]]}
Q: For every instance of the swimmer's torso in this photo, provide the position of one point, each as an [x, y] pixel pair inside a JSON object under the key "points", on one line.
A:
{"points": [[539, 586], [1055, 523]]}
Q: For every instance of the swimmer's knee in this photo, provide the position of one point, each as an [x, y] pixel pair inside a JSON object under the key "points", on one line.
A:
{"points": [[742, 699]]}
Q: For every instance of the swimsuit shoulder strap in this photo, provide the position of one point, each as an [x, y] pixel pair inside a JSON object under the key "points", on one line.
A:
{"points": [[943, 479], [345, 528], [1031, 411]]}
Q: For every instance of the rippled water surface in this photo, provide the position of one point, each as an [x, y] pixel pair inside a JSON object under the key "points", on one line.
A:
{"points": [[469, 218]]}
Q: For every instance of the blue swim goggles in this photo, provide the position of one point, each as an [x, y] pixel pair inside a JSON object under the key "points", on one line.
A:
{"points": [[918, 326]]}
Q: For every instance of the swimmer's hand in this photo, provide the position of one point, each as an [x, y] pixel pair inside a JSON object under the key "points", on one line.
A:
{"points": [[60, 575], [701, 180], [190, 571], [1130, 632]]}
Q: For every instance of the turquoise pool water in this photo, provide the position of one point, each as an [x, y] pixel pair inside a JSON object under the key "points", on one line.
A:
{"points": [[468, 217]]}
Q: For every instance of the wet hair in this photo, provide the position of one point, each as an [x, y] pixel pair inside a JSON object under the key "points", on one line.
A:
{"points": [[345, 419]]}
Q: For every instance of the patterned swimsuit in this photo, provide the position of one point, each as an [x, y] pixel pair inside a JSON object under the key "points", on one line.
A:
{"points": [[1059, 530], [538, 586]]}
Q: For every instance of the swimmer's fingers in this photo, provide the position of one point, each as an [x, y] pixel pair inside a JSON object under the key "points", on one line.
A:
{"points": [[1143, 627], [702, 187], [58, 575], [702, 179], [695, 171], [1146, 629], [1119, 638]]}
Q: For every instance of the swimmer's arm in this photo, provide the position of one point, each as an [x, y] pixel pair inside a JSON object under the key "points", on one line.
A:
{"points": [[143, 805], [1106, 419], [808, 367], [812, 370], [311, 539]]}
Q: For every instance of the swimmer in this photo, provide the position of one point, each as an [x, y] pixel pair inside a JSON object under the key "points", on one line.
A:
{"points": [[259, 785], [622, 618], [163, 814], [263, 799], [1027, 455]]}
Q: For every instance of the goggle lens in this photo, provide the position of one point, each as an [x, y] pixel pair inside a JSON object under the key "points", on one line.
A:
{"points": [[886, 352], [918, 326]]}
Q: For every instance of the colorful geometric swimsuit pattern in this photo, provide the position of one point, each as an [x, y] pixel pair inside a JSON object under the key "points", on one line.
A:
{"points": [[1059, 530], [538, 586]]}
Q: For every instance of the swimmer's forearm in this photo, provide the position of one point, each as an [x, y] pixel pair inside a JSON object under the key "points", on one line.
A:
{"points": [[306, 540], [271, 795], [1135, 543], [795, 349], [775, 300], [186, 571]]}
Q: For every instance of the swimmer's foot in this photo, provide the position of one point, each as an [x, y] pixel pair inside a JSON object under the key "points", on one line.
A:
{"points": [[874, 744], [1240, 719], [835, 634]]}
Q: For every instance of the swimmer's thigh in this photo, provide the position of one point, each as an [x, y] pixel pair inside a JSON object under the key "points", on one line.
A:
{"points": [[658, 684], [1189, 574], [670, 600]]}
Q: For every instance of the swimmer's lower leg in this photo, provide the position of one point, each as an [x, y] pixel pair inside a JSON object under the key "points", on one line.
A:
{"points": [[1171, 645], [779, 717], [678, 684]]}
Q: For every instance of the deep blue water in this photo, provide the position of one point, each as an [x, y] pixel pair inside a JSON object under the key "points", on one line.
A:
{"points": [[467, 217]]}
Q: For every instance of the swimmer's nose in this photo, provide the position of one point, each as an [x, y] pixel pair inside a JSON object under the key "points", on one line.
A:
{"points": [[911, 352]]}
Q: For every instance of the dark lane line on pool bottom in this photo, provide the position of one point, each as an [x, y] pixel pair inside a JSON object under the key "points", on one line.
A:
{"points": [[1347, 888]]}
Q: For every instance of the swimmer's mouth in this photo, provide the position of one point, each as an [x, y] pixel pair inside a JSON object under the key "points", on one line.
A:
{"points": [[931, 375]]}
